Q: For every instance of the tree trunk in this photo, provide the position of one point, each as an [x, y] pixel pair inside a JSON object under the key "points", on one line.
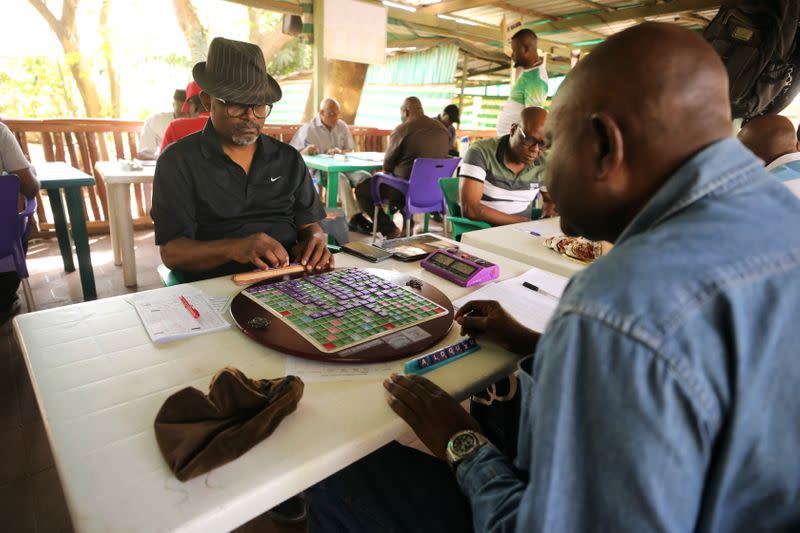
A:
{"points": [[194, 32], [344, 82], [65, 30], [270, 42], [113, 76]]}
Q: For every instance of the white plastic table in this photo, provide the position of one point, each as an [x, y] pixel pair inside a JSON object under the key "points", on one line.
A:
{"points": [[118, 178], [515, 242], [100, 381]]}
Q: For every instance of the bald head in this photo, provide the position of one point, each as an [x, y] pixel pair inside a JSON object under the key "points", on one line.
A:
{"points": [[411, 108], [526, 138], [769, 137], [640, 105]]}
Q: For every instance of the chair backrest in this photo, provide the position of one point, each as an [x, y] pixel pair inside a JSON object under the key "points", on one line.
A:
{"points": [[424, 193], [449, 188], [9, 213]]}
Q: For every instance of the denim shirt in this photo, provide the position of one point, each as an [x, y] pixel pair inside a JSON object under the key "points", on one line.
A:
{"points": [[665, 393]]}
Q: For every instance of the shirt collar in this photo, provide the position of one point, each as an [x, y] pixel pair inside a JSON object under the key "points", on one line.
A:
{"points": [[782, 160], [502, 146], [715, 169]]}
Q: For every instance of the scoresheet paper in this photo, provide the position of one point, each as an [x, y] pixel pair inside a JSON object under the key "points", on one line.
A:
{"points": [[166, 318], [530, 308]]}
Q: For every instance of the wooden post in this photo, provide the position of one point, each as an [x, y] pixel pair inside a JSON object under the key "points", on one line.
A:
{"points": [[464, 71], [318, 55]]}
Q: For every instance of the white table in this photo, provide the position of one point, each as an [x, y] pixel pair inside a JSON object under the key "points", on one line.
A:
{"points": [[516, 242], [118, 178], [100, 381]]}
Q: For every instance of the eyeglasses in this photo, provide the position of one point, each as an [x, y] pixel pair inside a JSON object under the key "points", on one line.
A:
{"points": [[529, 141], [234, 110]]}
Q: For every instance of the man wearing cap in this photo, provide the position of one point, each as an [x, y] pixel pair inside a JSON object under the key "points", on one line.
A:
{"points": [[195, 119], [156, 124], [229, 199], [450, 115]]}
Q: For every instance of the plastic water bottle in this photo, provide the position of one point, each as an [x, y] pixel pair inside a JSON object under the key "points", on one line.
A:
{"points": [[463, 146]]}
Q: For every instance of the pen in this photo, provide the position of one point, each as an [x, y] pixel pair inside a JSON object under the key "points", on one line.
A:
{"points": [[195, 313], [535, 234], [533, 287]]}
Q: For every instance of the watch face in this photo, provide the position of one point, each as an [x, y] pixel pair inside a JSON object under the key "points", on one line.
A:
{"points": [[464, 443]]}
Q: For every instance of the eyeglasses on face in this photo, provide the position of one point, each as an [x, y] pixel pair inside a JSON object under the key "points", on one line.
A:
{"points": [[528, 140], [234, 110]]}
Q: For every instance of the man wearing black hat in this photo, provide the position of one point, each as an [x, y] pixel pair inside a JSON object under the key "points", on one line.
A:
{"points": [[228, 198]]}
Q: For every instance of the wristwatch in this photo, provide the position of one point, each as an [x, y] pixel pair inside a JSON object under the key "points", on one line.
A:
{"points": [[463, 445]]}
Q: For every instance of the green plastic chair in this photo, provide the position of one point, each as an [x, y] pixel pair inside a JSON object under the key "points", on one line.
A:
{"points": [[170, 277], [459, 224]]}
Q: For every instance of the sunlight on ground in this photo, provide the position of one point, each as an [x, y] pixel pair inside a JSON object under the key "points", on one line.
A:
{"points": [[52, 263]]}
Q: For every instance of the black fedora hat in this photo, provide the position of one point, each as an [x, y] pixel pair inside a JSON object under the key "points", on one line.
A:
{"points": [[235, 72]]}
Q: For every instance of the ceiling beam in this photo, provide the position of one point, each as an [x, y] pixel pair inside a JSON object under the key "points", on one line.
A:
{"points": [[272, 5], [448, 6], [533, 13], [622, 14]]}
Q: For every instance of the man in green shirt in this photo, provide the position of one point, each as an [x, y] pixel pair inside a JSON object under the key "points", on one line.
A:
{"points": [[530, 90]]}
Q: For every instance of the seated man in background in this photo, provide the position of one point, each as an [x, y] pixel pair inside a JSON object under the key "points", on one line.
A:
{"points": [[417, 136], [450, 115], [229, 199], [13, 161], [156, 124], [663, 394], [773, 139], [501, 177], [327, 134], [195, 119]]}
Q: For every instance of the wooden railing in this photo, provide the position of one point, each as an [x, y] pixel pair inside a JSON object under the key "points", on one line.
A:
{"points": [[83, 142]]}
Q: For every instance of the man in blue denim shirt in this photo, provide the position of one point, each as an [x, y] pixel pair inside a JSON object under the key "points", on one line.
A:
{"points": [[664, 394]]}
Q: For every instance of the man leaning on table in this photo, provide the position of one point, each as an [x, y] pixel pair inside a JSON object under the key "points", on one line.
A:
{"points": [[663, 394], [229, 199], [328, 134], [500, 177]]}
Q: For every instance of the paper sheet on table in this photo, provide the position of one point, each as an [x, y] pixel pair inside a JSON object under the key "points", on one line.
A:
{"points": [[310, 371], [530, 308], [165, 318]]}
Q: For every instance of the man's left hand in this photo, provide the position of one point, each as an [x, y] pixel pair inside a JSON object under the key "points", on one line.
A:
{"points": [[335, 151], [313, 253], [432, 413]]}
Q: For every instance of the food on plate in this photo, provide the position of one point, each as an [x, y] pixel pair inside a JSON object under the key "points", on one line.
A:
{"points": [[575, 247]]}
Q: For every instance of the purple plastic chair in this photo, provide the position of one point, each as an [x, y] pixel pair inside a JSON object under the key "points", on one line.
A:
{"points": [[15, 228], [421, 190]]}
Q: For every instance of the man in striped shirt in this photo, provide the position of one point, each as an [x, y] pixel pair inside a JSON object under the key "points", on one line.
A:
{"points": [[501, 177]]}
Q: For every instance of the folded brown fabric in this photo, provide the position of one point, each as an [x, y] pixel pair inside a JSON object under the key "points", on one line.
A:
{"points": [[197, 433]]}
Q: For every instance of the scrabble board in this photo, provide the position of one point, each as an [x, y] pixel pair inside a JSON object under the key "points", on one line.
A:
{"points": [[341, 309]]}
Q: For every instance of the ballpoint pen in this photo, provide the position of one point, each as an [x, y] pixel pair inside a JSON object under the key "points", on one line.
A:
{"points": [[536, 288]]}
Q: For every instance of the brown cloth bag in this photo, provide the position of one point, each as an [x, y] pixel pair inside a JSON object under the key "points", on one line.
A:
{"points": [[197, 433]]}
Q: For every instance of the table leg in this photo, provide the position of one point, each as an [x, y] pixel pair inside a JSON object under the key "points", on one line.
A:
{"points": [[60, 221], [113, 190], [333, 189], [125, 230], [77, 217]]}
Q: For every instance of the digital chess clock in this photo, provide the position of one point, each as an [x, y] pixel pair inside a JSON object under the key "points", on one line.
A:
{"points": [[460, 268]]}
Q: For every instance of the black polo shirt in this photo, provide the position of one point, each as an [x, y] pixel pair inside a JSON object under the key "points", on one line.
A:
{"points": [[200, 193]]}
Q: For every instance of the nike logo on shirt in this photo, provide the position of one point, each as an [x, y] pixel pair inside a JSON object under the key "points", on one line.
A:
{"points": [[275, 179]]}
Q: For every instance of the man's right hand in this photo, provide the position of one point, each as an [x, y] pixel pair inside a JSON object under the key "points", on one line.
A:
{"points": [[481, 318], [257, 248], [309, 150]]}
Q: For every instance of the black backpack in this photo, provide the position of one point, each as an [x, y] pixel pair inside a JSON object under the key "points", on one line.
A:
{"points": [[758, 42]]}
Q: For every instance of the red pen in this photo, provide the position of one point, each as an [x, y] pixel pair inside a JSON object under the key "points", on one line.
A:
{"points": [[195, 313]]}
